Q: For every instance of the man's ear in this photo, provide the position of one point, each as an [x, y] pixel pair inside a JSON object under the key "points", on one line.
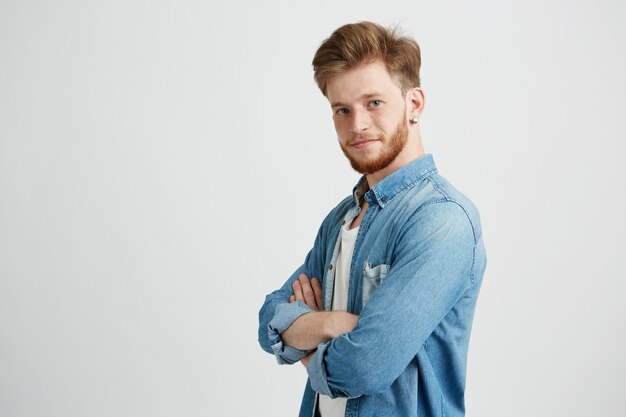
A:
{"points": [[415, 101]]}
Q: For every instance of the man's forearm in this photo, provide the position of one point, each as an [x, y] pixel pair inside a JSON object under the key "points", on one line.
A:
{"points": [[311, 329]]}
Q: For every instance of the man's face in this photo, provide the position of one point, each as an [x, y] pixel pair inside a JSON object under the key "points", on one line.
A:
{"points": [[369, 112]]}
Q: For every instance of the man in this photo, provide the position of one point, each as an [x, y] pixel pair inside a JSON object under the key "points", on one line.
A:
{"points": [[381, 310]]}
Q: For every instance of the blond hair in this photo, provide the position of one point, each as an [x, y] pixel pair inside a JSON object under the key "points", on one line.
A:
{"points": [[357, 43]]}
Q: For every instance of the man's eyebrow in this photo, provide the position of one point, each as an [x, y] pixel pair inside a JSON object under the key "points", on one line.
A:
{"points": [[363, 97]]}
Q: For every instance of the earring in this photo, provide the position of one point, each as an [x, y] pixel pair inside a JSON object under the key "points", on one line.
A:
{"points": [[414, 120]]}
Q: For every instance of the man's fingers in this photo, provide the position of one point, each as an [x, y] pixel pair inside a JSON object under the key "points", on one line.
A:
{"points": [[307, 292], [297, 291], [292, 299], [317, 290]]}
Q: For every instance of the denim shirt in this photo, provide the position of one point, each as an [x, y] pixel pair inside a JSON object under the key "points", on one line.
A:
{"points": [[415, 275]]}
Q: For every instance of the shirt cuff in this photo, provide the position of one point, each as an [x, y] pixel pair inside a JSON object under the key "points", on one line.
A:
{"points": [[285, 315], [317, 372]]}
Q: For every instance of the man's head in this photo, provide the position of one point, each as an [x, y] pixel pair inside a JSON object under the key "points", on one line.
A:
{"points": [[371, 78]]}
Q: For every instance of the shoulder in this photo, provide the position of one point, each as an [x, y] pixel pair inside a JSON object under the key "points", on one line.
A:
{"points": [[437, 203]]}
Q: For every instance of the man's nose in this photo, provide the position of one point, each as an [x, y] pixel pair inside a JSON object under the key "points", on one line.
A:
{"points": [[360, 121]]}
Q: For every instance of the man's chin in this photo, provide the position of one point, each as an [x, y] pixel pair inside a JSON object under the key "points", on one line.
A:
{"points": [[366, 168]]}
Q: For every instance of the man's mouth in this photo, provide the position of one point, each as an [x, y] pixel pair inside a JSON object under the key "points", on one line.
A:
{"points": [[363, 143]]}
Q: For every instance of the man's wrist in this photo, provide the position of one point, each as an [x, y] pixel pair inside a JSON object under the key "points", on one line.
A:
{"points": [[315, 327], [339, 322], [327, 322]]}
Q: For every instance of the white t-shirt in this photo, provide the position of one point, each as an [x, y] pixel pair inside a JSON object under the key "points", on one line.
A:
{"points": [[336, 407]]}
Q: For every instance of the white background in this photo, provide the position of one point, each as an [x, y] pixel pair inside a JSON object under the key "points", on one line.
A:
{"points": [[164, 165]]}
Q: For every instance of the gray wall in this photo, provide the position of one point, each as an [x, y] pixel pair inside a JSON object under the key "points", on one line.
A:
{"points": [[164, 165]]}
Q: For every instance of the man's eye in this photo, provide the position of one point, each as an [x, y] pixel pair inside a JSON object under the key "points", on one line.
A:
{"points": [[375, 103], [343, 111]]}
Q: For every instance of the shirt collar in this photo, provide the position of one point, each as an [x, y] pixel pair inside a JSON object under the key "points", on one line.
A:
{"points": [[395, 183]]}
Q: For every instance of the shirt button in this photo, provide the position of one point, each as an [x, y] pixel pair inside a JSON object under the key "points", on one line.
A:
{"points": [[343, 222], [331, 267], [384, 199]]}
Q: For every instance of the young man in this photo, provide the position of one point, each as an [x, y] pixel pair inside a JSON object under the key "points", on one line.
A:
{"points": [[381, 310]]}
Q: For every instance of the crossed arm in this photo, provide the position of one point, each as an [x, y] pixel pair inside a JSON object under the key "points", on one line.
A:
{"points": [[438, 265], [311, 329]]}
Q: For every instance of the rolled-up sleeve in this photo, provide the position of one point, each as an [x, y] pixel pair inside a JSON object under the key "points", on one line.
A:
{"points": [[277, 313], [286, 314], [317, 372]]}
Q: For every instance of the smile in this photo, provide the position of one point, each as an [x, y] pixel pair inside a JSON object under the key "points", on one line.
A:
{"points": [[364, 143]]}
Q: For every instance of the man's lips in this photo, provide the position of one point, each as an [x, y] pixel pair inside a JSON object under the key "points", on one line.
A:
{"points": [[363, 143]]}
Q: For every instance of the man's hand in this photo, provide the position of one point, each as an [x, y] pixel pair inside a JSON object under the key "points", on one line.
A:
{"points": [[309, 292]]}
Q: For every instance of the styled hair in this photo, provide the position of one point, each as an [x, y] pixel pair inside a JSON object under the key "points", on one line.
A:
{"points": [[358, 43]]}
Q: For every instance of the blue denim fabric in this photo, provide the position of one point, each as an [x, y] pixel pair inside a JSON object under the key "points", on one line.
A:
{"points": [[286, 355], [415, 276]]}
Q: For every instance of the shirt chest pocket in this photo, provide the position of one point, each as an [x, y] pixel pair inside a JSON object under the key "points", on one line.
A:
{"points": [[373, 276]]}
